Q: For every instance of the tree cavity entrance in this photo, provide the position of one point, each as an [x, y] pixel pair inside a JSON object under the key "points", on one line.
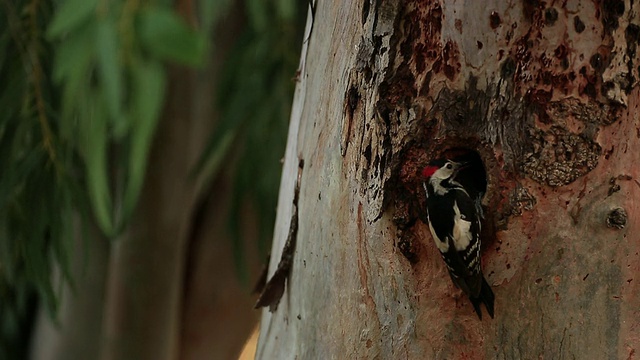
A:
{"points": [[473, 176]]}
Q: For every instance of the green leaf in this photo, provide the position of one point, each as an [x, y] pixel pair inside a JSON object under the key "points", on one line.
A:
{"points": [[166, 35], [110, 74], [72, 69], [94, 132], [74, 52], [148, 82], [71, 14]]}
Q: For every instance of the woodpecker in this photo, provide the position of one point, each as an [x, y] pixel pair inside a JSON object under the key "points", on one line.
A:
{"points": [[454, 220]]}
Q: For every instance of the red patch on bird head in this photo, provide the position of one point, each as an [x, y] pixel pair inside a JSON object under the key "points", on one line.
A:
{"points": [[428, 171]]}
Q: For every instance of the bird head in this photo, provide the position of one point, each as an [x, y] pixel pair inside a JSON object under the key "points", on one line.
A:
{"points": [[441, 169]]}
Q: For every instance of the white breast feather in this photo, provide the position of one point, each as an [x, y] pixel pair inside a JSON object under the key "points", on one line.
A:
{"points": [[461, 230]]}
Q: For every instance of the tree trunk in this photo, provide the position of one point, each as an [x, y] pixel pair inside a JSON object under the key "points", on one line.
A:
{"points": [[75, 335], [546, 93], [161, 290]]}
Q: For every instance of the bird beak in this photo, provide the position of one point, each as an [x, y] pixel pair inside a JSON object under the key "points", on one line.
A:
{"points": [[461, 165]]}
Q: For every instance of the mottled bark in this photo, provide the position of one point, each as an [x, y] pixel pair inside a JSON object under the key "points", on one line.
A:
{"points": [[546, 93]]}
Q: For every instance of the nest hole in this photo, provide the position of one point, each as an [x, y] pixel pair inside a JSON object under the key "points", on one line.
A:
{"points": [[473, 176]]}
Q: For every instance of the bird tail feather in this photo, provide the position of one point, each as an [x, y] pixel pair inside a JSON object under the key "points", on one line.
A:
{"points": [[486, 297]]}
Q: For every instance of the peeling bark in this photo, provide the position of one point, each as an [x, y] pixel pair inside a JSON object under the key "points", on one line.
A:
{"points": [[272, 292], [546, 93]]}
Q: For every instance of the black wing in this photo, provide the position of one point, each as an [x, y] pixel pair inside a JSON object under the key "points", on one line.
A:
{"points": [[441, 216]]}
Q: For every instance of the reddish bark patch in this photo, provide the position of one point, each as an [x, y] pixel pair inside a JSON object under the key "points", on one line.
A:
{"points": [[422, 28], [451, 60], [522, 57], [458, 25], [400, 89], [530, 8]]}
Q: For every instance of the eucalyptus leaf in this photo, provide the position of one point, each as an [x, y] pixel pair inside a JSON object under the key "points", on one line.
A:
{"points": [[71, 14], [147, 95], [72, 68], [110, 72], [74, 52], [166, 35], [95, 155]]}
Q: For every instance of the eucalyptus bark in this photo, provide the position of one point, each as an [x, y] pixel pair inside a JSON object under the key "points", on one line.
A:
{"points": [[546, 93]]}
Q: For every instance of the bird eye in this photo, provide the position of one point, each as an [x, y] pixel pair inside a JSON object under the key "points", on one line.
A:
{"points": [[448, 166]]}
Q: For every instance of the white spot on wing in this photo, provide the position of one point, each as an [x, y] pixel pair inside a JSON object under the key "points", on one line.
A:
{"points": [[461, 230]]}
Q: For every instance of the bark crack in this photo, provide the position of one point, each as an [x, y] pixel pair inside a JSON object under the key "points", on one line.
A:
{"points": [[274, 289]]}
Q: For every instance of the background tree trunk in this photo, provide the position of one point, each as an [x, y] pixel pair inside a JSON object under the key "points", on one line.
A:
{"points": [[546, 93], [76, 333], [164, 290]]}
